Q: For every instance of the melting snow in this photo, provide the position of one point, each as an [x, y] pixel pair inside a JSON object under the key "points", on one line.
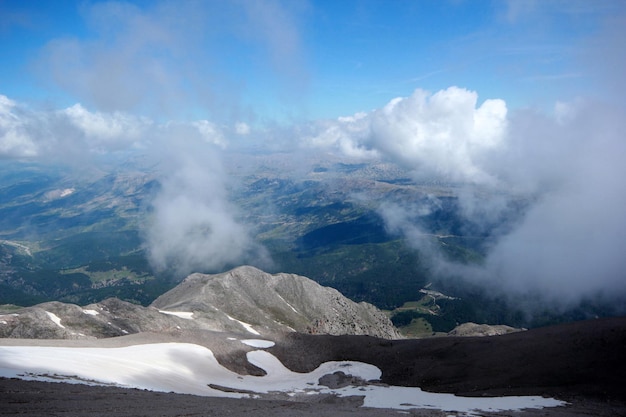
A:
{"points": [[258, 343], [91, 312], [247, 326], [188, 368], [55, 319], [182, 314]]}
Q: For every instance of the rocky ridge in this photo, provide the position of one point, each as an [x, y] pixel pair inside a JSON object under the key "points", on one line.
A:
{"points": [[278, 302], [244, 300]]}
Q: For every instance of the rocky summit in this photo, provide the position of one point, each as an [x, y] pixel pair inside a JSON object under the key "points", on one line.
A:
{"points": [[247, 298], [243, 300]]}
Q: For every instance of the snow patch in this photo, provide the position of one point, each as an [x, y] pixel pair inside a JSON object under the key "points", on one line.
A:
{"points": [[247, 326], [182, 314], [55, 319], [91, 312], [258, 343], [192, 369], [286, 302]]}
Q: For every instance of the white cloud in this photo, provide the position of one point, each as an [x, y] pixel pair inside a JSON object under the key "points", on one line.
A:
{"points": [[193, 227], [242, 128], [73, 134], [209, 132], [443, 134], [68, 135], [568, 169], [570, 242], [107, 129], [346, 135], [14, 138]]}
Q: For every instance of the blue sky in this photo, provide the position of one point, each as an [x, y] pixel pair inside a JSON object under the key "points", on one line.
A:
{"points": [[269, 60]]}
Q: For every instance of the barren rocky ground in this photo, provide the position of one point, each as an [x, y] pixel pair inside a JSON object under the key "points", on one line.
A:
{"points": [[581, 363]]}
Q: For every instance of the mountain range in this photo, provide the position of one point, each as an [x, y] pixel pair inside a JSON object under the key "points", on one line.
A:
{"points": [[80, 237], [288, 342], [244, 299]]}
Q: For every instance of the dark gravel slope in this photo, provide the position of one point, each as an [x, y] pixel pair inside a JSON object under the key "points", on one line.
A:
{"points": [[582, 358]]}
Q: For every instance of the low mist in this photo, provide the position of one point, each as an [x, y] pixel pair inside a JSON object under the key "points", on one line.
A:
{"points": [[193, 227]]}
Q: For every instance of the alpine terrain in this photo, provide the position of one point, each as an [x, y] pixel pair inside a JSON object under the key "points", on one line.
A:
{"points": [[244, 299]]}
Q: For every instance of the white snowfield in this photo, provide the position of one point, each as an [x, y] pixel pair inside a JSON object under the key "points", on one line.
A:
{"points": [[91, 312], [193, 369]]}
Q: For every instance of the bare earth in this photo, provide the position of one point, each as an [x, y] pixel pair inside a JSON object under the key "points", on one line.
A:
{"points": [[581, 363]]}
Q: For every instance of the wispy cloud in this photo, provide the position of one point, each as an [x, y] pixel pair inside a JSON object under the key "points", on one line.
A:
{"points": [[554, 77], [193, 226], [174, 59]]}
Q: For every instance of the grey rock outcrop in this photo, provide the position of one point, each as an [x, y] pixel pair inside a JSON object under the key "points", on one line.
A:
{"points": [[108, 318], [274, 302]]}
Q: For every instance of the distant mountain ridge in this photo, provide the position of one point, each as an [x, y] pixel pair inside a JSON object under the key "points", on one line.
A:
{"points": [[243, 300], [286, 302]]}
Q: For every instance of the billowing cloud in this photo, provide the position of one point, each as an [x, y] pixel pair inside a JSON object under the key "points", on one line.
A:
{"points": [[103, 126], [346, 135], [106, 130], [569, 244], [547, 187], [443, 134], [66, 135], [75, 133]]}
